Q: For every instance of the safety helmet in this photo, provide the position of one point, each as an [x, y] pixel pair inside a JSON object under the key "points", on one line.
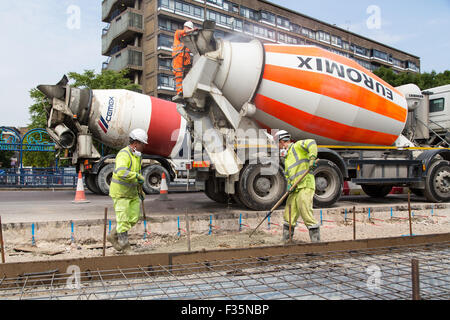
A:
{"points": [[139, 135], [189, 24], [282, 135]]}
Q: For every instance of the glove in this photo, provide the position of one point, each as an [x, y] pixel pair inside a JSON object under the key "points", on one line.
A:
{"points": [[312, 163], [140, 178]]}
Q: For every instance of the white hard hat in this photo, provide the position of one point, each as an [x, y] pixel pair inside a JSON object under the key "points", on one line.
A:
{"points": [[189, 24], [282, 135], [139, 135]]}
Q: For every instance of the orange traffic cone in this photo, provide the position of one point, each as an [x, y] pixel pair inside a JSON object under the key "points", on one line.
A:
{"points": [[80, 197], [164, 190]]}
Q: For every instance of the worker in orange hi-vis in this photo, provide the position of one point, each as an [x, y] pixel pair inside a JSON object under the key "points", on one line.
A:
{"points": [[181, 58]]}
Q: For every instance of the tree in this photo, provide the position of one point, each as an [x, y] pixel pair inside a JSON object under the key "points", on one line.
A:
{"points": [[423, 80], [107, 79]]}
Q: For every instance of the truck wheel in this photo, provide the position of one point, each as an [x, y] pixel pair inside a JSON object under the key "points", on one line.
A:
{"points": [[376, 191], [329, 184], [153, 176], [104, 178], [259, 191], [437, 185], [216, 195], [91, 183]]}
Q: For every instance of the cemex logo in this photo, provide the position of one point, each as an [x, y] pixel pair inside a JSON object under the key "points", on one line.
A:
{"points": [[104, 122]]}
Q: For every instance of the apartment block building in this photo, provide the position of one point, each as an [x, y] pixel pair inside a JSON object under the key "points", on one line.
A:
{"points": [[139, 34]]}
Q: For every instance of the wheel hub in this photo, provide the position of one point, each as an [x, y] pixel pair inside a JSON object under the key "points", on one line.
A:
{"points": [[443, 181], [262, 185], [321, 184]]}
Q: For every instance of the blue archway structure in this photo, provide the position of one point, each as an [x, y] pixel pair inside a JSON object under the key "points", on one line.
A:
{"points": [[35, 140], [32, 141]]}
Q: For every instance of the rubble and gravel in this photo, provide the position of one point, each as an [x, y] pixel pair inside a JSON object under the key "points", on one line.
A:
{"points": [[54, 242]]}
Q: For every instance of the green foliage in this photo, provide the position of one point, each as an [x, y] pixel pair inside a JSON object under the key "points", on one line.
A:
{"points": [[5, 159], [423, 80], [107, 79]]}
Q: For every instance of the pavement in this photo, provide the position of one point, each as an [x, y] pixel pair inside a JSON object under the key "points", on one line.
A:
{"points": [[23, 206]]}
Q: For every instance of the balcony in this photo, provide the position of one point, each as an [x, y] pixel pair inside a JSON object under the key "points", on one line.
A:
{"points": [[128, 58], [111, 6], [122, 30]]}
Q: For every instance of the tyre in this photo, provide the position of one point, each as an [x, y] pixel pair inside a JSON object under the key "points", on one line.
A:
{"points": [[329, 184], [153, 176], [104, 178], [91, 183], [437, 184], [214, 191], [376, 191], [260, 190]]}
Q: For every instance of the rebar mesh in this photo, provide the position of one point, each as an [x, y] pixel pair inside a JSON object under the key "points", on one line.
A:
{"points": [[380, 274]]}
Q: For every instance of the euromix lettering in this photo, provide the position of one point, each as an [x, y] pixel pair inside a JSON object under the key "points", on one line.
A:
{"points": [[344, 72], [104, 122]]}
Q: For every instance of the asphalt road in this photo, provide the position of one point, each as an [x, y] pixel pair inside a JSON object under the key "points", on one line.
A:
{"points": [[40, 206]]}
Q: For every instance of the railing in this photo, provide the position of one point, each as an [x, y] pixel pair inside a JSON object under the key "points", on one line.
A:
{"points": [[128, 19], [127, 58], [108, 4], [38, 178]]}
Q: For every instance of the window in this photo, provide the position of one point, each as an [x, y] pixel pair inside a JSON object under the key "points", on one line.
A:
{"points": [[267, 17], [216, 2], [324, 36], [224, 20], [437, 105], [411, 65], [169, 25], [380, 55], [183, 8], [345, 45], [230, 7], [166, 81], [165, 41], [337, 41], [309, 33], [249, 13], [283, 22], [165, 64], [284, 38], [264, 32], [398, 63], [296, 28], [359, 50]]}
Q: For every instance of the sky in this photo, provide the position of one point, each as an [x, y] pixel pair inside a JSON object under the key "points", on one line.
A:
{"points": [[45, 39]]}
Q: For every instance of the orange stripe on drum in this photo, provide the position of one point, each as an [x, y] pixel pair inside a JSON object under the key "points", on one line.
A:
{"points": [[336, 89], [321, 126], [322, 53]]}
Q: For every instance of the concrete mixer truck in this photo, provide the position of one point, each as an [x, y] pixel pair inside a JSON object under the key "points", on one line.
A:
{"points": [[78, 116], [238, 92], [236, 96]]}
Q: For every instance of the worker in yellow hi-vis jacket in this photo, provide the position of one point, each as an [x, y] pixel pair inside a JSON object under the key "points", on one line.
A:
{"points": [[301, 157], [124, 189]]}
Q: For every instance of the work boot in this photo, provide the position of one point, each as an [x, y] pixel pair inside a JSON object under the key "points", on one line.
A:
{"points": [[113, 238], [123, 241], [314, 234], [178, 98], [286, 232]]}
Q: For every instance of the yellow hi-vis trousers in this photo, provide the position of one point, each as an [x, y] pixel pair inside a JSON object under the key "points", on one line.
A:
{"points": [[127, 213], [301, 203]]}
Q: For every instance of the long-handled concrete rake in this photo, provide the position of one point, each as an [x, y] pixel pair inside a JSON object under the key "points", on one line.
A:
{"points": [[281, 201]]}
